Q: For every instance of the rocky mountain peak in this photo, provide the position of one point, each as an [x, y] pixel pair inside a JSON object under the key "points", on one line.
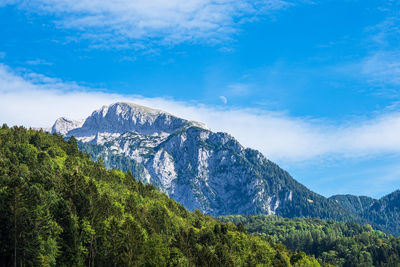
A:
{"points": [[119, 118]]}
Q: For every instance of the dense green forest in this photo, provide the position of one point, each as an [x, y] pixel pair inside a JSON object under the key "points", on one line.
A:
{"points": [[59, 208], [382, 214], [337, 243]]}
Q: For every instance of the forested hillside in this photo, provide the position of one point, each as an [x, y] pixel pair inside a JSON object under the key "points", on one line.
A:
{"points": [[355, 204], [382, 214], [338, 243], [59, 208]]}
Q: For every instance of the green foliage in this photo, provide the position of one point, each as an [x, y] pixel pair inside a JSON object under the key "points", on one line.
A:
{"points": [[382, 214], [331, 242], [59, 208]]}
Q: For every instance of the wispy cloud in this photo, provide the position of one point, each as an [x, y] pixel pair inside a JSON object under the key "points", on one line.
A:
{"points": [[35, 100], [38, 61], [387, 31], [381, 66], [127, 22], [239, 89], [380, 69]]}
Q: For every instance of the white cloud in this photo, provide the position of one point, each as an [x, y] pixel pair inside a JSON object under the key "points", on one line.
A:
{"points": [[35, 100], [168, 21]]}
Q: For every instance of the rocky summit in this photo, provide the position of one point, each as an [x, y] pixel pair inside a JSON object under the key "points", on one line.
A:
{"points": [[111, 121], [199, 168]]}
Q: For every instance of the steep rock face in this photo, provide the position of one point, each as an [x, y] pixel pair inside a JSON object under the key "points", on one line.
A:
{"points": [[197, 167], [64, 125]]}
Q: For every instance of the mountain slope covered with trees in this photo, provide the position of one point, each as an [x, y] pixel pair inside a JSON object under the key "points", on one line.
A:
{"points": [[382, 214], [59, 208]]}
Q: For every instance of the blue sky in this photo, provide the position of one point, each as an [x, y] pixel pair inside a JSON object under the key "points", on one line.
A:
{"points": [[311, 84]]}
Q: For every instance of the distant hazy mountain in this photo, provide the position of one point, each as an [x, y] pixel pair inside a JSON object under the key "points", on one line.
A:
{"points": [[383, 214], [197, 167]]}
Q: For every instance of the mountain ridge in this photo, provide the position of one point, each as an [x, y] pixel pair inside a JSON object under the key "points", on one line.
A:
{"points": [[199, 168], [382, 214], [111, 121]]}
